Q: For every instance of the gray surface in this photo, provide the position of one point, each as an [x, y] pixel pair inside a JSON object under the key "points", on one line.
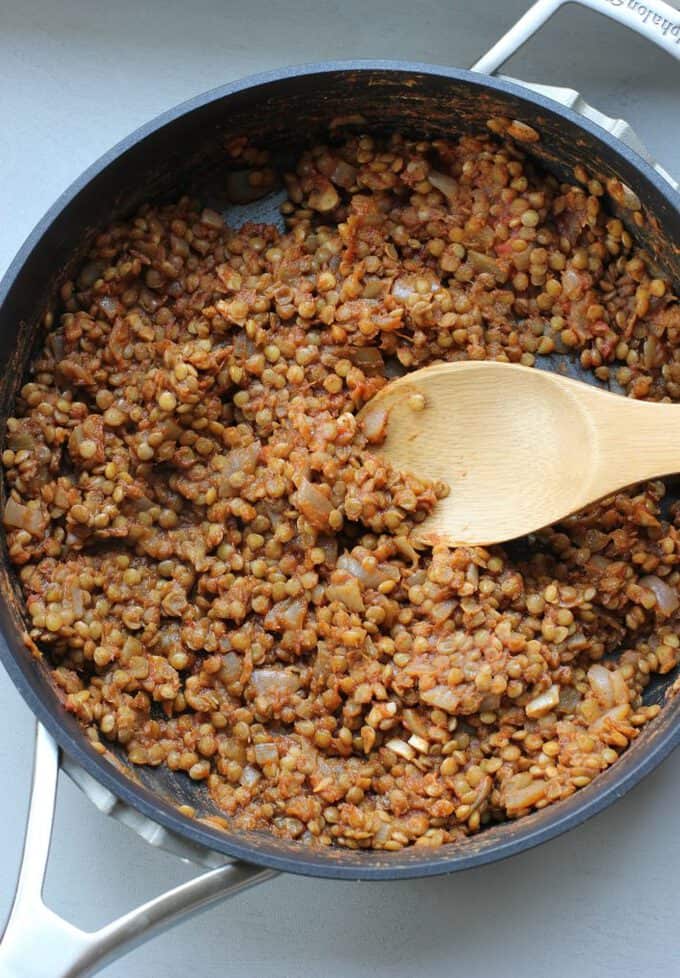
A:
{"points": [[76, 76]]}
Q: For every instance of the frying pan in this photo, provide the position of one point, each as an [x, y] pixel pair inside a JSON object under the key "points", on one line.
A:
{"points": [[183, 150]]}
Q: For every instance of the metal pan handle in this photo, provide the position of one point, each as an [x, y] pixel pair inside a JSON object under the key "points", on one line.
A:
{"points": [[38, 943], [654, 19]]}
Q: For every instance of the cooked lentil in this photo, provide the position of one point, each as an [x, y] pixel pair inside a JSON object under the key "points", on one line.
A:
{"points": [[219, 569]]}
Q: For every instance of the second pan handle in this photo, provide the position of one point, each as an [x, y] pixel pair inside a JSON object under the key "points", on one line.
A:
{"points": [[654, 19], [38, 943]]}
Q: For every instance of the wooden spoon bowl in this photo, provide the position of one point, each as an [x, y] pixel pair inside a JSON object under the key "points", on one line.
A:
{"points": [[519, 448]]}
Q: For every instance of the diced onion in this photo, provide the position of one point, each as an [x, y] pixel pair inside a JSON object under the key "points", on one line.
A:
{"points": [[484, 263], [371, 578], [601, 684], [667, 601], [374, 424], [442, 697], [77, 605], [231, 668], [367, 358], [445, 184], [401, 748], [242, 460], [519, 798], [109, 306], [617, 714], [313, 504], [20, 517], [542, 704], [274, 681], [572, 283], [250, 776], [266, 753], [348, 593], [402, 289]]}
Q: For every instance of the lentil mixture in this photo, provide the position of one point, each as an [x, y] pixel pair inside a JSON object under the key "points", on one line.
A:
{"points": [[218, 566]]}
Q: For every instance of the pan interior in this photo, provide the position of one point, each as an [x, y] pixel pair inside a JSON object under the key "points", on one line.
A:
{"points": [[186, 152]]}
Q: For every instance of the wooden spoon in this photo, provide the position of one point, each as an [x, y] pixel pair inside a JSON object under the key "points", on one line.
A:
{"points": [[518, 447]]}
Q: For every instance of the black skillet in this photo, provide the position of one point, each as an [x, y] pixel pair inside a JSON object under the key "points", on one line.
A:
{"points": [[181, 150]]}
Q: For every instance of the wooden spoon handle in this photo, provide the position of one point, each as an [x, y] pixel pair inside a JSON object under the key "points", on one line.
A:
{"points": [[631, 440]]}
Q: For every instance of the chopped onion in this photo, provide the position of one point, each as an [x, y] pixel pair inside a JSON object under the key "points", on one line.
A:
{"points": [[322, 661], [324, 197], [443, 698], [266, 754], [401, 748], [443, 610], [620, 690], [374, 288], [109, 306], [383, 832], [274, 681], [212, 219], [601, 684], [243, 345], [313, 504], [374, 424], [650, 351], [371, 578], [572, 283], [415, 722], [329, 545], [61, 497], [286, 615], [489, 703], [231, 668], [419, 743], [485, 263], [250, 776], [243, 459], [290, 827], [576, 643], [623, 195], [15, 514], [570, 698], [445, 184], [406, 549], [542, 704], [367, 358], [348, 593], [519, 798], [20, 517], [667, 601], [57, 344], [77, 605], [402, 288], [617, 714]]}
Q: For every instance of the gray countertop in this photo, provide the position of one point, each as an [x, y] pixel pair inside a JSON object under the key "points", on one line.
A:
{"points": [[75, 77]]}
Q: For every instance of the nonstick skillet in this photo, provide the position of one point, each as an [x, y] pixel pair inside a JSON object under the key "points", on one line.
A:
{"points": [[283, 111]]}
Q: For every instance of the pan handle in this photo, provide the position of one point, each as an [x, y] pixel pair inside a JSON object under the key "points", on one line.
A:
{"points": [[654, 19], [38, 943]]}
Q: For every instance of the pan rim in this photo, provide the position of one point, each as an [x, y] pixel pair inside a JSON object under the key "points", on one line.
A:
{"points": [[304, 860]]}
